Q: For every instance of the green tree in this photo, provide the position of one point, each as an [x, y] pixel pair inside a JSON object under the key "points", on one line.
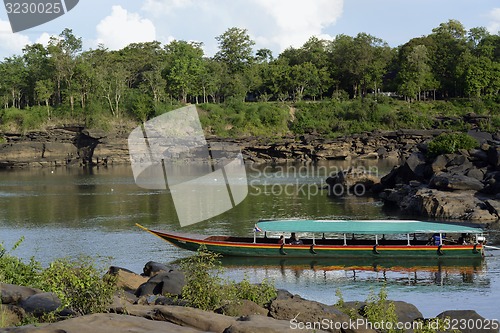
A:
{"points": [[44, 90], [302, 77], [184, 63], [63, 50], [416, 73], [13, 81], [235, 49], [450, 42], [111, 77], [210, 79], [38, 67]]}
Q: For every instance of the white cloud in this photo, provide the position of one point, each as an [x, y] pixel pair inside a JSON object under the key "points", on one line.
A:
{"points": [[298, 20], [11, 43], [273, 24], [494, 26], [44, 39], [122, 28]]}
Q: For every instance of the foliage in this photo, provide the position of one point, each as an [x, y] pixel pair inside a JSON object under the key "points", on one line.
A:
{"points": [[378, 309], [143, 79], [14, 271], [235, 118], [433, 325], [260, 294], [205, 288], [79, 284], [449, 143], [24, 119]]}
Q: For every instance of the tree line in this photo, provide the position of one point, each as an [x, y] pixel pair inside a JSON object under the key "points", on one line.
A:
{"points": [[142, 79]]}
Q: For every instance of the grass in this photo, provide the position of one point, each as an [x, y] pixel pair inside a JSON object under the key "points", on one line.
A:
{"points": [[234, 118]]}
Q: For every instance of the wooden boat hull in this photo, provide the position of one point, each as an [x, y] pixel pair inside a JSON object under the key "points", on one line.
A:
{"points": [[262, 248]]}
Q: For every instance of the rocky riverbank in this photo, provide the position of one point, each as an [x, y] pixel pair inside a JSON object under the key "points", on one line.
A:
{"points": [[460, 186], [76, 145], [140, 306]]}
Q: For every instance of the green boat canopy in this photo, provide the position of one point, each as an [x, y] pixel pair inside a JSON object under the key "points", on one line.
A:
{"points": [[372, 227]]}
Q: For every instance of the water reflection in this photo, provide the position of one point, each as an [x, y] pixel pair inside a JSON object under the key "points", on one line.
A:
{"points": [[391, 271]]}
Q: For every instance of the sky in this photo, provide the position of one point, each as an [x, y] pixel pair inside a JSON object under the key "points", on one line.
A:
{"points": [[272, 24]]}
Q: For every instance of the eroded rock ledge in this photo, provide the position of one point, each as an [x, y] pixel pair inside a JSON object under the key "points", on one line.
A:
{"points": [[60, 146], [76, 145]]}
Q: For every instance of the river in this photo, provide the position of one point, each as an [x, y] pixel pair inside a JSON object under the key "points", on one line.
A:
{"points": [[65, 212]]}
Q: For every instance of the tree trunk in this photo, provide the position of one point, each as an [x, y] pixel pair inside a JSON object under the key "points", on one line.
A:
{"points": [[48, 108], [72, 103]]}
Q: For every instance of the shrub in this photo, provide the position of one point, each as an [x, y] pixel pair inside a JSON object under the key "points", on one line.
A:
{"points": [[14, 271], [79, 284], [449, 143], [27, 119], [205, 289], [260, 294], [378, 309]]}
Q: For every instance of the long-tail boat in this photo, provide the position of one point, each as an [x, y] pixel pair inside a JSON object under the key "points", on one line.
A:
{"points": [[342, 239]]}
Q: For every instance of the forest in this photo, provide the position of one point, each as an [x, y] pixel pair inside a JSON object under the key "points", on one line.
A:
{"points": [[62, 82]]}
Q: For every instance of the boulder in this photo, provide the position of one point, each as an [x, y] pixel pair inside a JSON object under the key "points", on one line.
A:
{"points": [[152, 267], [169, 282], [120, 302], [352, 181], [12, 294], [478, 155], [284, 294], [452, 182], [463, 205], [184, 316], [388, 181], [476, 173], [242, 308], [40, 304], [494, 156], [406, 312], [461, 168], [259, 324], [414, 168], [492, 183], [126, 279], [305, 311], [439, 163], [469, 321], [105, 323]]}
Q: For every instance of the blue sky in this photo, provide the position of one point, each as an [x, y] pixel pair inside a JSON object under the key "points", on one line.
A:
{"points": [[273, 24]]}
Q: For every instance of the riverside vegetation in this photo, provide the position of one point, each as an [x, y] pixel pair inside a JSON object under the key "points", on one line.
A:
{"points": [[83, 289], [438, 77]]}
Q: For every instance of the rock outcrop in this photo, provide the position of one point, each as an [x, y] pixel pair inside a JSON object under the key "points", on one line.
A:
{"points": [[61, 146], [460, 186], [76, 145]]}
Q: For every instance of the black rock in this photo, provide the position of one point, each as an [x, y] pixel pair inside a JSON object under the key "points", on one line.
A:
{"points": [[170, 282], [414, 168], [152, 267], [447, 181], [469, 321], [40, 304]]}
